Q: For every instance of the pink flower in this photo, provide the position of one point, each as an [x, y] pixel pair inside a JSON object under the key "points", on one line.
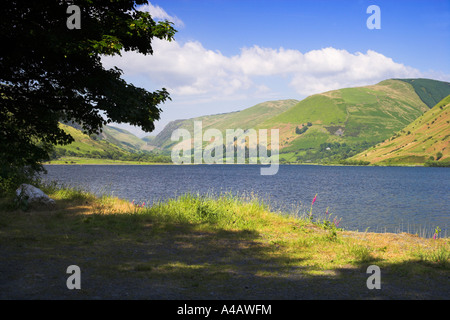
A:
{"points": [[336, 223], [314, 200], [434, 237]]}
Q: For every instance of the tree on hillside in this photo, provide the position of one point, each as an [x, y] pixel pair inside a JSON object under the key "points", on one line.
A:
{"points": [[301, 130], [50, 73]]}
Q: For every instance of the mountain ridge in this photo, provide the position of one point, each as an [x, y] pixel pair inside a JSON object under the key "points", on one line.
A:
{"points": [[350, 119], [429, 91], [110, 144], [328, 127]]}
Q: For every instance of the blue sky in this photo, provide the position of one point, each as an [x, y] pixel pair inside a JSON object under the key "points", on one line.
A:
{"points": [[410, 29], [232, 54]]}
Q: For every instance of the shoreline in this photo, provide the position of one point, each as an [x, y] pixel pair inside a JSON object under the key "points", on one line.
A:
{"points": [[59, 163], [195, 248], [93, 161]]}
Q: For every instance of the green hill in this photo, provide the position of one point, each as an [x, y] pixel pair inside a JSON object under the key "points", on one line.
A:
{"points": [[331, 126], [429, 91], [88, 146], [123, 139], [245, 119], [424, 141], [116, 136], [346, 121], [111, 144]]}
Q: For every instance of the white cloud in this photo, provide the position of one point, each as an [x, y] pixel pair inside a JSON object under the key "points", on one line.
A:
{"points": [[190, 70], [159, 13], [185, 70], [330, 68]]}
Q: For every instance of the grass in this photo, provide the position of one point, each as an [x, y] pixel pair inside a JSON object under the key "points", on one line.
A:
{"points": [[205, 246], [317, 108]]}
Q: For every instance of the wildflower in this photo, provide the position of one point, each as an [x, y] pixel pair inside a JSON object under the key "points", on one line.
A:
{"points": [[314, 200], [336, 222], [326, 212], [310, 211]]}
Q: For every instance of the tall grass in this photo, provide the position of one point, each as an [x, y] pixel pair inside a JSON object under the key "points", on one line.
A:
{"points": [[60, 191], [226, 211], [439, 255], [422, 231]]}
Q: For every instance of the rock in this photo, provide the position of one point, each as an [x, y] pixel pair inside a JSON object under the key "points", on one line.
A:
{"points": [[32, 194]]}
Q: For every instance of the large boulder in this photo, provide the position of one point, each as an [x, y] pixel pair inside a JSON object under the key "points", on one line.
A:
{"points": [[31, 194]]}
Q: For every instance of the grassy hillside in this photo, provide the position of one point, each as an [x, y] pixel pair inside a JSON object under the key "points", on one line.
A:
{"points": [[245, 119], [424, 141], [118, 137], [86, 146], [123, 139], [331, 126], [111, 144], [429, 91], [346, 121]]}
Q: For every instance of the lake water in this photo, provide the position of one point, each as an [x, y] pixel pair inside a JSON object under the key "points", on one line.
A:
{"points": [[392, 199]]}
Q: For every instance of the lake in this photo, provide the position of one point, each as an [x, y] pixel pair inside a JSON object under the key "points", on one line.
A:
{"points": [[383, 199]]}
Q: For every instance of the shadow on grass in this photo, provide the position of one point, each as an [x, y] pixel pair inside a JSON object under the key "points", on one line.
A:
{"points": [[135, 256]]}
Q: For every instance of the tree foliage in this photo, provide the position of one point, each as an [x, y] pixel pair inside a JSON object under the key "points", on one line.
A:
{"points": [[301, 130], [49, 73]]}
